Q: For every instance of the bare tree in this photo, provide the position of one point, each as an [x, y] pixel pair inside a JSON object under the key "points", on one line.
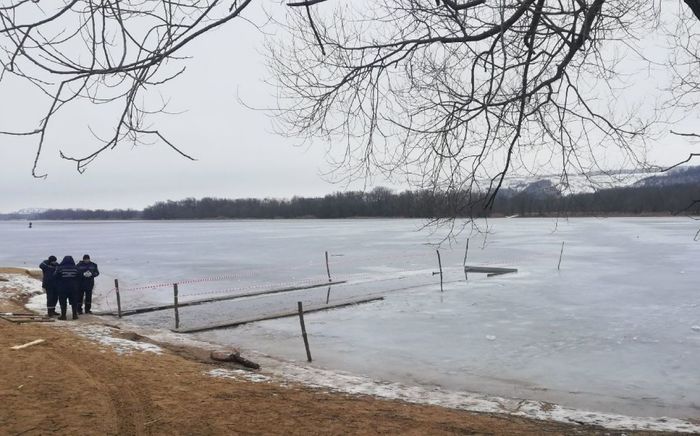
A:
{"points": [[108, 52], [685, 64], [450, 93], [445, 93]]}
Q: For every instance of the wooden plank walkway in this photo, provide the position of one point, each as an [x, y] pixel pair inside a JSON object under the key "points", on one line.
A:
{"points": [[20, 318], [140, 310], [286, 314], [490, 271]]}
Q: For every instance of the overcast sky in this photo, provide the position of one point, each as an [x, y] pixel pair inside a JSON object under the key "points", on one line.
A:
{"points": [[237, 153]]}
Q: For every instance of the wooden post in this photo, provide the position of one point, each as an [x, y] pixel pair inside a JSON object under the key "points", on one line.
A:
{"points": [[303, 331], [464, 263], [119, 301], [328, 268], [560, 254], [175, 306], [440, 265]]}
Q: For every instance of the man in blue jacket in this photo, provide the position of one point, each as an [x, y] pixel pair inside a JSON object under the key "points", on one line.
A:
{"points": [[87, 272], [48, 267], [68, 285]]}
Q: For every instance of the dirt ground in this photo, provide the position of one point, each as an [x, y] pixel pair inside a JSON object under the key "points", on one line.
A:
{"points": [[70, 385]]}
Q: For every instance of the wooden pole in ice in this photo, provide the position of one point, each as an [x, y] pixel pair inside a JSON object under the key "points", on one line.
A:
{"points": [[176, 306], [328, 294], [119, 301], [328, 268], [464, 263], [440, 266], [560, 254], [303, 330]]}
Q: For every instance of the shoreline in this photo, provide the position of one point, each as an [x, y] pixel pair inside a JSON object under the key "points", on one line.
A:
{"points": [[284, 373], [571, 215]]}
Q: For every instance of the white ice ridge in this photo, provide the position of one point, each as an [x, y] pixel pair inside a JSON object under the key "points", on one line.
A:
{"points": [[347, 383]]}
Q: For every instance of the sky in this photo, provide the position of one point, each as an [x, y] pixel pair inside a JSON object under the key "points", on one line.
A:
{"points": [[238, 154]]}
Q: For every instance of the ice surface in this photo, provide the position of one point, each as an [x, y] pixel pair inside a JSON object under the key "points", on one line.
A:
{"points": [[612, 331]]}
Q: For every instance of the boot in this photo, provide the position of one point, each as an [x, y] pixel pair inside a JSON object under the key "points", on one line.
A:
{"points": [[75, 311], [87, 308], [52, 313], [63, 314]]}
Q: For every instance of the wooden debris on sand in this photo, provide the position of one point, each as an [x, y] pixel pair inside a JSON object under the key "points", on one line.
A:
{"points": [[233, 356], [28, 344], [25, 317]]}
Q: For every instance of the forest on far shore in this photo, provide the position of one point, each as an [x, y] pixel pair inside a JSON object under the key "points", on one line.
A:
{"points": [[539, 199]]}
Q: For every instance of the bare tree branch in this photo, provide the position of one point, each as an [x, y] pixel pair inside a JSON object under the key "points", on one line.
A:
{"points": [[454, 96], [450, 95], [126, 49]]}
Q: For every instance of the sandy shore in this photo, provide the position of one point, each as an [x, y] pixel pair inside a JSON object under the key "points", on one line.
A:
{"points": [[89, 378]]}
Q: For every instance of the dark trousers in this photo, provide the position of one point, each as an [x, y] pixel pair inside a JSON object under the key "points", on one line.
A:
{"points": [[85, 296], [69, 297], [51, 297]]}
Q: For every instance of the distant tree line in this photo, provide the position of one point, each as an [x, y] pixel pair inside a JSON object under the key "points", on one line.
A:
{"points": [[539, 199], [77, 214], [382, 203], [648, 200]]}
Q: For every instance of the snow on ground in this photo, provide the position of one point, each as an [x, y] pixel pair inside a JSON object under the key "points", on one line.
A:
{"points": [[236, 374], [96, 332], [18, 285], [347, 383], [103, 336], [286, 372]]}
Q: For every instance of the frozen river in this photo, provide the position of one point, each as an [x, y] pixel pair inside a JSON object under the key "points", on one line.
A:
{"points": [[616, 329]]}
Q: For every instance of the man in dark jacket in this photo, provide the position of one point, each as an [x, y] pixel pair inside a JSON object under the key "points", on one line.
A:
{"points": [[48, 267], [68, 285], [88, 271]]}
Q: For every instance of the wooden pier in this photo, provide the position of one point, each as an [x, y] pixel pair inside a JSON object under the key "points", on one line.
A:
{"points": [[490, 271], [292, 312], [141, 310]]}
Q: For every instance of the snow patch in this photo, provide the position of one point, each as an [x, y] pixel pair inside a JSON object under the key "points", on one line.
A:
{"points": [[37, 303], [352, 384], [103, 336], [236, 374], [695, 328], [15, 285]]}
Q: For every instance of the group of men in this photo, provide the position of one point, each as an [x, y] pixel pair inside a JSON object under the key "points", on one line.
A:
{"points": [[68, 282]]}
